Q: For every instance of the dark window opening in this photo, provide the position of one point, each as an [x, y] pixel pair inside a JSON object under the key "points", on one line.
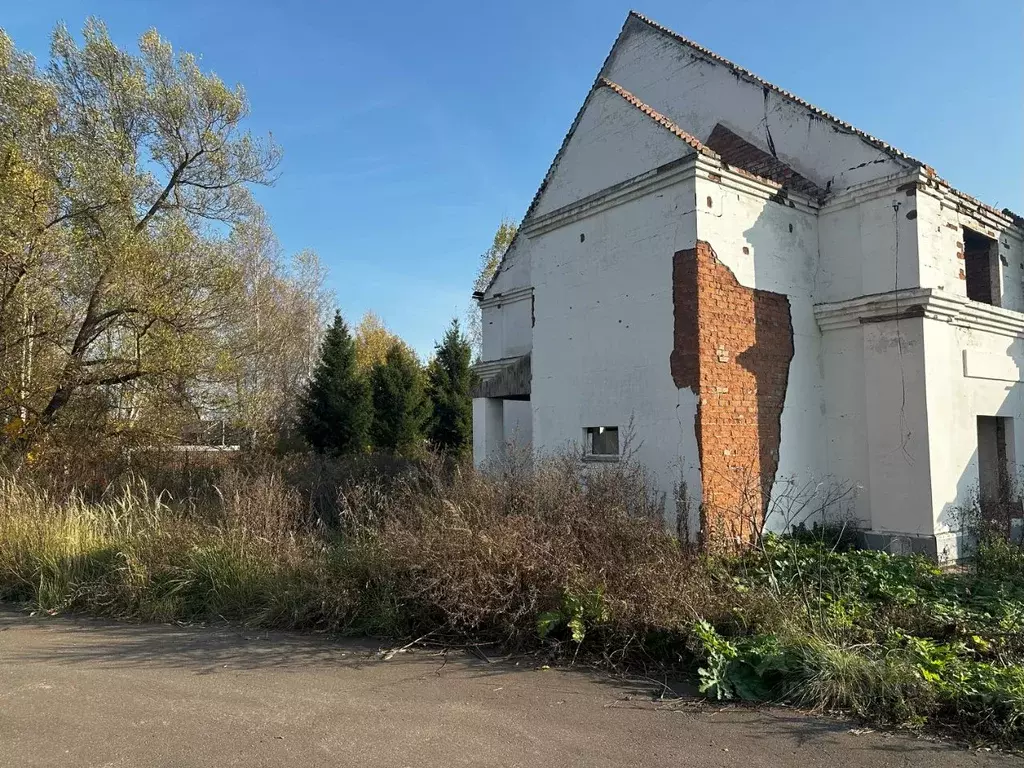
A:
{"points": [[981, 255], [601, 441]]}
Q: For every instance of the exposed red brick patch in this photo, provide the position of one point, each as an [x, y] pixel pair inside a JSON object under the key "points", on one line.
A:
{"points": [[732, 346], [739, 152]]}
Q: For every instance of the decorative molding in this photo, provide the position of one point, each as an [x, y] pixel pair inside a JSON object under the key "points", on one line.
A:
{"points": [[683, 169], [600, 458], [886, 186], [1001, 222], [670, 173], [983, 317], [927, 303], [507, 297], [730, 177]]}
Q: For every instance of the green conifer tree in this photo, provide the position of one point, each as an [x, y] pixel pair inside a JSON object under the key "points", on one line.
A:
{"points": [[449, 380], [400, 407], [336, 410]]}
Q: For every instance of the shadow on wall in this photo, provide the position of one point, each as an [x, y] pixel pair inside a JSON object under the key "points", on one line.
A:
{"points": [[768, 361], [990, 489], [783, 263], [780, 251]]}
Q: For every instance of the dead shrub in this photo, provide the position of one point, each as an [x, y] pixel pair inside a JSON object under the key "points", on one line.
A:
{"points": [[490, 553]]}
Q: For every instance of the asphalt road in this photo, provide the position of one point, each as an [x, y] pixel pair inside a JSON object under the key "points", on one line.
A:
{"points": [[78, 692]]}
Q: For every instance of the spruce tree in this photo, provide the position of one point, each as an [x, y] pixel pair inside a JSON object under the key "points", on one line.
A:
{"points": [[336, 411], [400, 407], [449, 379]]}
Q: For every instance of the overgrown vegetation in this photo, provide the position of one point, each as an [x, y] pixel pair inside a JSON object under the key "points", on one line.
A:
{"points": [[144, 298], [139, 280], [554, 558]]}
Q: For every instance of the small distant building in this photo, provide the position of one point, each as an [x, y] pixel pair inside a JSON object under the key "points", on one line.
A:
{"points": [[762, 295]]}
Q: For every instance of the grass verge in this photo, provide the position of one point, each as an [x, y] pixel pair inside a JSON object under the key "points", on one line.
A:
{"points": [[553, 556]]}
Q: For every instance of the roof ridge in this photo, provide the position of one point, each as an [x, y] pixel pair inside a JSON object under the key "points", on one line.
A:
{"points": [[742, 71], [660, 119]]}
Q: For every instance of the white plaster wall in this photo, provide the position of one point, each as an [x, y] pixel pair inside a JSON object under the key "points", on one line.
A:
{"points": [[782, 257], [604, 334], [940, 236], [479, 431], [896, 422], [500, 425], [492, 328], [954, 403], [906, 425], [865, 244], [845, 415], [488, 432], [507, 329], [876, 423], [697, 93], [955, 400], [514, 270], [518, 423], [613, 142]]}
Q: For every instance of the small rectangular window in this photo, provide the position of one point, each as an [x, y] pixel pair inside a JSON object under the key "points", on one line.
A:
{"points": [[601, 441], [981, 267]]}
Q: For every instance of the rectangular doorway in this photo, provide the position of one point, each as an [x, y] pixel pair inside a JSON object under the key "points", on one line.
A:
{"points": [[996, 463]]}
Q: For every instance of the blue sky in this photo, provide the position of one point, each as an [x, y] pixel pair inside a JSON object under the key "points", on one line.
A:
{"points": [[410, 129]]}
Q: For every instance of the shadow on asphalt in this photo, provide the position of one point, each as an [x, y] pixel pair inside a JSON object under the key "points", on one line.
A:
{"points": [[208, 650], [116, 644]]}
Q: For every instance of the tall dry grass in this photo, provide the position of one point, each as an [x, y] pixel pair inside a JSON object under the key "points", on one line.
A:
{"points": [[553, 554], [357, 546]]}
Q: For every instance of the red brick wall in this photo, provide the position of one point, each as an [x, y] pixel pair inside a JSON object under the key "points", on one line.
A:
{"points": [[733, 346]]}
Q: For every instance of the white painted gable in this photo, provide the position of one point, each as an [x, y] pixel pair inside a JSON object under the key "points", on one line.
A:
{"points": [[697, 91], [613, 141], [514, 270]]}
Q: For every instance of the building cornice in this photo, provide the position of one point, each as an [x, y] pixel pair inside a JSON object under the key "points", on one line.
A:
{"points": [[924, 181], [510, 380], [993, 223], [885, 186], [927, 303], [684, 169], [738, 180], [679, 170], [485, 369], [507, 297]]}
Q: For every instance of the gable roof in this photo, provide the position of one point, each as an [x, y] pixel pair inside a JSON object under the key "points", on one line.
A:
{"points": [[600, 82], [660, 119], [746, 74], [629, 98], [727, 146]]}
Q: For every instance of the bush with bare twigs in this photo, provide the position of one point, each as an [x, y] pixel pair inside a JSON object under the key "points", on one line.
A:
{"points": [[554, 555]]}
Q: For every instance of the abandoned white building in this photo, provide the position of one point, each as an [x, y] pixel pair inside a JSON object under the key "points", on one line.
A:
{"points": [[759, 290]]}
